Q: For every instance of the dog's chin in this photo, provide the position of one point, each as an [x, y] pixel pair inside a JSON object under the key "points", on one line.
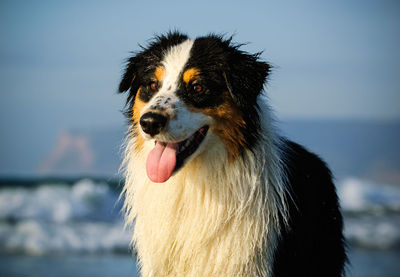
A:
{"points": [[167, 158]]}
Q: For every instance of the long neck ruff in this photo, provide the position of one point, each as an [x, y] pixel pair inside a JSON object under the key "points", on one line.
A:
{"points": [[215, 217]]}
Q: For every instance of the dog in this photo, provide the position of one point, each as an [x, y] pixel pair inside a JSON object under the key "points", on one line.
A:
{"points": [[211, 187]]}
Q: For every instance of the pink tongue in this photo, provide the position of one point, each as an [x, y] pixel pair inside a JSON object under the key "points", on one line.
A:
{"points": [[161, 162]]}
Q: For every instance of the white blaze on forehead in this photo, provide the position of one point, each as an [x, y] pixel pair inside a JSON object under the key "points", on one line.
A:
{"points": [[174, 62]]}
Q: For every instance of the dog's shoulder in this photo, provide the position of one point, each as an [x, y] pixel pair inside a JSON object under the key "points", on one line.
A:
{"points": [[314, 235]]}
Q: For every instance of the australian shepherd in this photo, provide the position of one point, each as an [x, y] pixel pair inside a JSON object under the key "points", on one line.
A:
{"points": [[211, 188]]}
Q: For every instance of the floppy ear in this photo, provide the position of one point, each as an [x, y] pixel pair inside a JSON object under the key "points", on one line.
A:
{"points": [[129, 75], [131, 80], [245, 76]]}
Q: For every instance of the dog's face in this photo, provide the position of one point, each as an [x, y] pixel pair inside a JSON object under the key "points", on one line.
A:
{"points": [[185, 94]]}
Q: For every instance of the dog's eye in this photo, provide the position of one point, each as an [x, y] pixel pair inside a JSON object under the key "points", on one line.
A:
{"points": [[153, 86], [197, 88]]}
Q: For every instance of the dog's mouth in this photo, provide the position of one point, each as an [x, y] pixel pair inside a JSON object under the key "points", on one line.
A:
{"points": [[168, 157]]}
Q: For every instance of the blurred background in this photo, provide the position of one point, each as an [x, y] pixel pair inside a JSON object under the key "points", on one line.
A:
{"points": [[335, 88]]}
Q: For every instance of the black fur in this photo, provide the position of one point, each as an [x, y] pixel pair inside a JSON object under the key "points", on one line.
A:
{"points": [[313, 245]]}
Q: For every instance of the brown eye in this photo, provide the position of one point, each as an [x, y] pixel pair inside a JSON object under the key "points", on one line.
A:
{"points": [[197, 88], [153, 86]]}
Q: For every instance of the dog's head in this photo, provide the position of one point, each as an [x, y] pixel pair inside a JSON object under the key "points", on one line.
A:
{"points": [[186, 94]]}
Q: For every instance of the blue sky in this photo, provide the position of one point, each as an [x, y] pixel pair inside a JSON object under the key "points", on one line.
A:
{"points": [[60, 61]]}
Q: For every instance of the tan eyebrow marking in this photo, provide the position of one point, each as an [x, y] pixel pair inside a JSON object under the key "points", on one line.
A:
{"points": [[159, 73], [190, 74]]}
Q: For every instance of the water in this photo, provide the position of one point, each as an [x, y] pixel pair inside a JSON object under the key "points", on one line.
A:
{"points": [[58, 218], [68, 265], [77, 229], [373, 263], [371, 213], [365, 263]]}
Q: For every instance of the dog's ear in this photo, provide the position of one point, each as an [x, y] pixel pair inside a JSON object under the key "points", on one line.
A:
{"points": [[245, 76], [131, 79], [130, 74]]}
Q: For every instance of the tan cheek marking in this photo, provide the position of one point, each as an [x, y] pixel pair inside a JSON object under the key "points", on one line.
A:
{"points": [[190, 74], [228, 122], [159, 73], [137, 108]]}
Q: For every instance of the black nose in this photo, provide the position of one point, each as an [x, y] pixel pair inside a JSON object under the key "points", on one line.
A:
{"points": [[152, 123]]}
